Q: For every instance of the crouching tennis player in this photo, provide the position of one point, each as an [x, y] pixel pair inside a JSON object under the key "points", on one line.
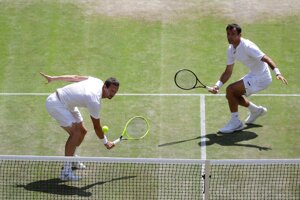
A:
{"points": [[258, 78], [63, 105]]}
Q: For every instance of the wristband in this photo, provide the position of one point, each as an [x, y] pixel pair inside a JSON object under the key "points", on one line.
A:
{"points": [[276, 71], [104, 140], [219, 84]]}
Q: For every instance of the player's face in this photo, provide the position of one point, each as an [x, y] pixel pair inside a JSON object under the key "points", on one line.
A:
{"points": [[233, 37], [112, 90]]}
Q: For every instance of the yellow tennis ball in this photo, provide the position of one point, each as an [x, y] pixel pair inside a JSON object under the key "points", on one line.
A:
{"points": [[105, 129]]}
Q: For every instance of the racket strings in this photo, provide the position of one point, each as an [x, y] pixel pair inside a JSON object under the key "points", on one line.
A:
{"points": [[137, 128], [186, 79]]}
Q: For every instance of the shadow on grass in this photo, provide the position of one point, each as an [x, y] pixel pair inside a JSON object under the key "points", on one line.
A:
{"points": [[57, 186], [178, 142], [231, 139]]}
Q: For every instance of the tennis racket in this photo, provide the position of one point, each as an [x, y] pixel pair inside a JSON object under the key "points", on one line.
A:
{"points": [[136, 128], [187, 80]]}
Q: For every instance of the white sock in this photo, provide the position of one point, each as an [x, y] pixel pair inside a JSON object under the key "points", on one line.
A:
{"points": [[252, 107], [67, 167], [235, 115], [76, 151]]}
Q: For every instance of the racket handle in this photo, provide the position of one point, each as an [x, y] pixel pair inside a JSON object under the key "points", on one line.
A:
{"points": [[209, 88], [116, 141]]}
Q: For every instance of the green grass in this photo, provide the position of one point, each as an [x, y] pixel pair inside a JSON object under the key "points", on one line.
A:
{"points": [[273, 137], [57, 38]]}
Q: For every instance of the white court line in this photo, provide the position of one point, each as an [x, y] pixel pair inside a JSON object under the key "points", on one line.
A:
{"points": [[203, 127], [152, 94], [202, 138]]}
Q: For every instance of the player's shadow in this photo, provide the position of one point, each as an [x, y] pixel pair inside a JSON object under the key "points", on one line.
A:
{"points": [[58, 187], [232, 139]]}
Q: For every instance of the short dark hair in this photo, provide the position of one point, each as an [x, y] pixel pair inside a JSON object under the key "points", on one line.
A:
{"points": [[234, 26], [111, 81]]}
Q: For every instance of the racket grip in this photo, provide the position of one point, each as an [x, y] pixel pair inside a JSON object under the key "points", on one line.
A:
{"points": [[209, 88], [116, 141]]}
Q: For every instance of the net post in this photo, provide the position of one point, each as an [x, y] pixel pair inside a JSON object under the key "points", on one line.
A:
{"points": [[206, 177]]}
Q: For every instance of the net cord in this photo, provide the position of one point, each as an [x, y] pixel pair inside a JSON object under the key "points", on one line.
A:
{"points": [[151, 160], [102, 159]]}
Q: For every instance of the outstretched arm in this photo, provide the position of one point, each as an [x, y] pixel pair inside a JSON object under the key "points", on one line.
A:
{"points": [[223, 79], [67, 78], [100, 134], [272, 65]]}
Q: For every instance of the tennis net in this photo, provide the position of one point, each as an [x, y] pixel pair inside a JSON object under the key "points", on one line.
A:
{"points": [[35, 177], [252, 179], [29, 177]]}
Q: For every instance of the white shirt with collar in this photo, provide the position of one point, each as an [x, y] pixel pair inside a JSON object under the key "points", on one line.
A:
{"points": [[250, 55], [87, 93]]}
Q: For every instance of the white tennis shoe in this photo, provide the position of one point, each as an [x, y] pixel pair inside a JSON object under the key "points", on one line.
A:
{"points": [[69, 176], [254, 115], [232, 125], [78, 165]]}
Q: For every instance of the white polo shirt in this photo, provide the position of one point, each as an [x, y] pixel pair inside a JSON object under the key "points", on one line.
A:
{"points": [[87, 93], [250, 55]]}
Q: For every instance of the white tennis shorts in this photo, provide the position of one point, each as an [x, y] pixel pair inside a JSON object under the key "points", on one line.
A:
{"points": [[61, 113], [254, 83]]}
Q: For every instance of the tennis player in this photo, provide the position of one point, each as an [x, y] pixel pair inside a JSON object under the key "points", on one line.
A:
{"points": [[63, 105], [258, 78]]}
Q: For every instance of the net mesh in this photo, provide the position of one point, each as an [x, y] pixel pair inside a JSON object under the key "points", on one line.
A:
{"points": [[255, 181], [121, 178], [31, 179]]}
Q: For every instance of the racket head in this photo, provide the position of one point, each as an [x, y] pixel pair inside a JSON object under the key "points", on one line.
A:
{"points": [[136, 128], [185, 79]]}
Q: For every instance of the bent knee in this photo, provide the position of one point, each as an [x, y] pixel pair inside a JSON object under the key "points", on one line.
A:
{"points": [[236, 89], [229, 91], [83, 131], [81, 128]]}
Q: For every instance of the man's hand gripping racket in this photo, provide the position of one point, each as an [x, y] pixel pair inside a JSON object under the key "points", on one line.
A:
{"points": [[185, 79], [136, 128]]}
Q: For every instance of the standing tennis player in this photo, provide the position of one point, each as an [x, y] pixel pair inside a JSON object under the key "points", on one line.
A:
{"points": [[258, 78], [63, 105]]}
